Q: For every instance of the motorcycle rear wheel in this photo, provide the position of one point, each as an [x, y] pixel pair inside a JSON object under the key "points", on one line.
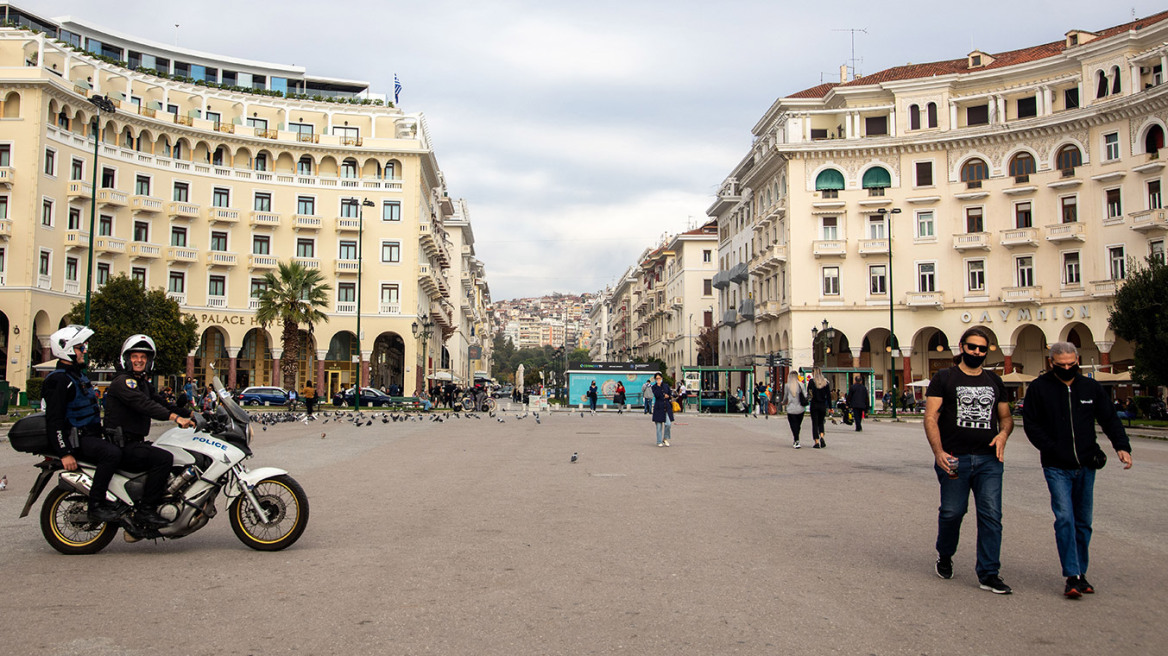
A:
{"points": [[286, 506], [66, 526]]}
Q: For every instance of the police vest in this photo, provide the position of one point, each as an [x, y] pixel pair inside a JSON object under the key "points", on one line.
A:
{"points": [[83, 410]]}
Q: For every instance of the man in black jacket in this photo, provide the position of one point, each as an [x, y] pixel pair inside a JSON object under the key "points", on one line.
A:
{"points": [[130, 404], [1059, 417]]}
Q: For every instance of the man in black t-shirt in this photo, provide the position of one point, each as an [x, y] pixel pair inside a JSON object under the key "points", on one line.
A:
{"points": [[967, 423]]}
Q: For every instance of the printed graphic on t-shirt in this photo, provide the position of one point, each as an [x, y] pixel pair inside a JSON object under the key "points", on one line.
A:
{"points": [[975, 407]]}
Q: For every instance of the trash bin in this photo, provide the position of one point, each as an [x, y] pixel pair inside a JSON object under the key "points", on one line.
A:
{"points": [[3, 397]]}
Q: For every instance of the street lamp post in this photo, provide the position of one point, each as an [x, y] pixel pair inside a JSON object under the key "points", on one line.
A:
{"points": [[360, 240], [893, 346], [423, 331], [103, 104]]}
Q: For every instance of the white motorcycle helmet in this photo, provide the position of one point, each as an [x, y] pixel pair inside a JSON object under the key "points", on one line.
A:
{"points": [[138, 344], [62, 342]]}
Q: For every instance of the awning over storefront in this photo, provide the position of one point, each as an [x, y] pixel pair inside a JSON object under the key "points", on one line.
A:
{"points": [[829, 179], [877, 178]]}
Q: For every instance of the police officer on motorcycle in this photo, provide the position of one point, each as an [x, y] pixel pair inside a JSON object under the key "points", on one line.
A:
{"points": [[130, 403], [73, 421]]}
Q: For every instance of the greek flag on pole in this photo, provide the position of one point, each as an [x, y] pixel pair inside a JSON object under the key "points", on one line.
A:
{"points": [[396, 88]]}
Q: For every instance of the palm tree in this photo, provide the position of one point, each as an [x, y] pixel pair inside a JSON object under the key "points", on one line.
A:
{"points": [[293, 296]]}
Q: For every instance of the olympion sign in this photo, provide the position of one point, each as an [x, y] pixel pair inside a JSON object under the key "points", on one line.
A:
{"points": [[1026, 314]]}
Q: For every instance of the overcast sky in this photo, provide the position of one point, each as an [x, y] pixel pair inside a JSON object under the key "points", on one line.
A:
{"points": [[582, 133]]}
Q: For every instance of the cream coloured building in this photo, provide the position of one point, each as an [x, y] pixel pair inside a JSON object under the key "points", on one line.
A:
{"points": [[209, 171], [1021, 188]]}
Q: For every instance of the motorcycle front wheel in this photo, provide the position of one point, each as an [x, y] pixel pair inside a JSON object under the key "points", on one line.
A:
{"points": [[286, 506], [66, 526]]}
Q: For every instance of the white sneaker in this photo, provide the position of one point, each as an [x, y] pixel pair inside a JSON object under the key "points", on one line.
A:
{"points": [[660, 444], [666, 442], [797, 445]]}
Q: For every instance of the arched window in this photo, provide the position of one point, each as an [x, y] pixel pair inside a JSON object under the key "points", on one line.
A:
{"points": [[914, 117], [349, 168], [974, 171], [1022, 165], [876, 180], [1101, 87], [1115, 81], [1154, 140], [304, 166], [932, 114], [830, 182], [219, 157], [261, 162], [1068, 158]]}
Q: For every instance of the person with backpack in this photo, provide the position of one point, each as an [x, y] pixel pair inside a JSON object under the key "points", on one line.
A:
{"points": [[820, 393], [73, 418], [795, 400]]}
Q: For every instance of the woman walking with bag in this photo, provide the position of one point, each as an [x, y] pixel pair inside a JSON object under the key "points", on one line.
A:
{"points": [[795, 398], [820, 393], [662, 409]]}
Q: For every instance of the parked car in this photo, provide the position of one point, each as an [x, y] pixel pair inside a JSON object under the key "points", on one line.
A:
{"points": [[370, 397], [263, 396], [503, 392]]}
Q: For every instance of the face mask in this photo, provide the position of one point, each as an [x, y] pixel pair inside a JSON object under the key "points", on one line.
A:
{"points": [[972, 361], [1066, 375]]}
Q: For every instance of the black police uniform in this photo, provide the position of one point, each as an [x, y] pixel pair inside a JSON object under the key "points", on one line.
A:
{"points": [[71, 402], [130, 404]]}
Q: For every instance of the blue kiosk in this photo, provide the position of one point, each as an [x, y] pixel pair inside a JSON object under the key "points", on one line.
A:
{"points": [[606, 374]]}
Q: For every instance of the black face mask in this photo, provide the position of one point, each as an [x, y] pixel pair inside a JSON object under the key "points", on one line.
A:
{"points": [[1066, 375], [972, 361]]}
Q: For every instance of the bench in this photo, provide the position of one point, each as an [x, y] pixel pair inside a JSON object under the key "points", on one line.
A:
{"points": [[405, 403]]}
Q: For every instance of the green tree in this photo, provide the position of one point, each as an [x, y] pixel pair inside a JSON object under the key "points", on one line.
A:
{"points": [[122, 307], [292, 297], [1140, 315]]}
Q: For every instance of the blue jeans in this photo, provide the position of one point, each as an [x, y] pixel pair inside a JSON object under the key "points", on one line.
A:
{"points": [[983, 476], [659, 424], [1072, 498]]}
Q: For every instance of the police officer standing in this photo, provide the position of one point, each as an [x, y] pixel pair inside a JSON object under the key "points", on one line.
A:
{"points": [[73, 421], [130, 403]]}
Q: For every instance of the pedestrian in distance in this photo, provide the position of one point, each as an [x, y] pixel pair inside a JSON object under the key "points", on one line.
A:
{"points": [[592, 394], [647, 395], [309, 394], [794, 401], [967, 423], [1059, 415], [819, 392], [858, 401], [618, 397], [662, 409]]}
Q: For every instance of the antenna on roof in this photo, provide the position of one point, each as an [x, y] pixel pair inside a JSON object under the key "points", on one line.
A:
{"points": [[853, 60]]}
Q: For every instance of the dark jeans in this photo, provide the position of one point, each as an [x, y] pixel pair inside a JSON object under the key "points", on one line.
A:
{"points": [[858, 417], [818, 415], [156, 462], [795, 419], [981, 475], [1072, 498], [105, 456], [309, 404]]}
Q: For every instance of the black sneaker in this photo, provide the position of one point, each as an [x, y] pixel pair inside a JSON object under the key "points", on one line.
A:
{"points": [[1085, 587], [149, 518], [103, 511], [995, 584], [945, 567], [1072, 590]]}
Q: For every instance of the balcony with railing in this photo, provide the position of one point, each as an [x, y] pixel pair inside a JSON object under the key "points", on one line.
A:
{"points": [[106, 244], [76, 239], [346, 307], [1104, 288], [222, 215], [730, 316], [79, 190], [306, 222], [348, 267], [145, 204], [925, 299], [217, 302], [348, 224], [5, 228], [181, 210], [253, 303], [221, 259], [1018, 237], [262, 261], [739, 273], [1149, 220], [72, 286], [1030, 294], [746, 309], [972, 241], [142, 251], [265, 219], [307, 262], [389, 308], [873, 247], [7, 175], [721, 280], [112, 198], [768, 310], [182, 254], [829, 248], [177, 297], [1066, 232]]}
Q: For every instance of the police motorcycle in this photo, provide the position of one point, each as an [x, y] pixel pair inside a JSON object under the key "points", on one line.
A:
{"points": [[267, 508]]}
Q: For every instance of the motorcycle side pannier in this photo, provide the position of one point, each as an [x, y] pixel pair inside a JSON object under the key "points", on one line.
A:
{"points": [[28, 435]]}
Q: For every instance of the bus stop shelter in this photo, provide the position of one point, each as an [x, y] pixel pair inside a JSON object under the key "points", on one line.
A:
{"points": [[712, 389]]}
